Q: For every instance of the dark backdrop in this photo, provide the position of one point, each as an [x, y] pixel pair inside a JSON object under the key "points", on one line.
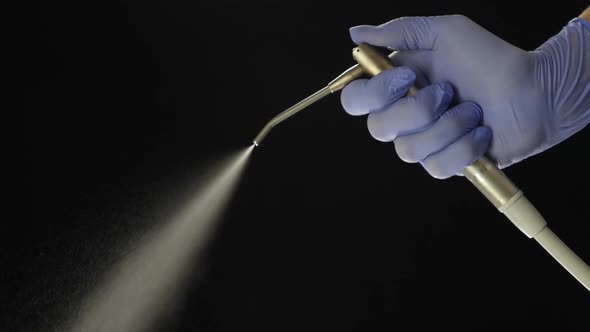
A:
{"points": [[127, 101]]}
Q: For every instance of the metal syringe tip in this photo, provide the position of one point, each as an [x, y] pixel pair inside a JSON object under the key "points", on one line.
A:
{"points": [[337, 84], [290, 112]]}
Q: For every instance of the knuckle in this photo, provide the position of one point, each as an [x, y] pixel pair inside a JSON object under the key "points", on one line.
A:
{"points": [[374, 98], [462, 118], [378, 93], [406, 150], [423, 109], [435, 168], [375, 127]]}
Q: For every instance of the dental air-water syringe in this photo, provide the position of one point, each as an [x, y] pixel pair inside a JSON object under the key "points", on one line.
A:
{"points": [[483, 173]]}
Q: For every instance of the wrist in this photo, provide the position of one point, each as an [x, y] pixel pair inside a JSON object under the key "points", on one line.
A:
{"points": [[561, 72]]}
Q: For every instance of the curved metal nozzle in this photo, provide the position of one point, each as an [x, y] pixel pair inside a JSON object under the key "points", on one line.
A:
{"points": [[338, 83], [290, 112], [262, 134]]}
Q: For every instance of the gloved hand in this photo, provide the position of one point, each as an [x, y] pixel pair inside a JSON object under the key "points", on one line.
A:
{"points": [[477, 92]]}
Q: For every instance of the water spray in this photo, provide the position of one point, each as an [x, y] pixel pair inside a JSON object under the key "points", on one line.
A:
{"points": [[483, 173], [140, 289]]}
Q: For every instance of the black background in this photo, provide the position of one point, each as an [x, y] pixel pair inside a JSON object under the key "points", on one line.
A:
{"points": [[127, 101]]}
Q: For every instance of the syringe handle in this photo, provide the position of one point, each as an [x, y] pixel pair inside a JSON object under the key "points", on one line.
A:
{"points": [[483, 173], [496, 187]]}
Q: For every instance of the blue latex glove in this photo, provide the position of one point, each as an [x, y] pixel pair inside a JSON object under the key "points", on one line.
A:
{"points": [[478, 93]]}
